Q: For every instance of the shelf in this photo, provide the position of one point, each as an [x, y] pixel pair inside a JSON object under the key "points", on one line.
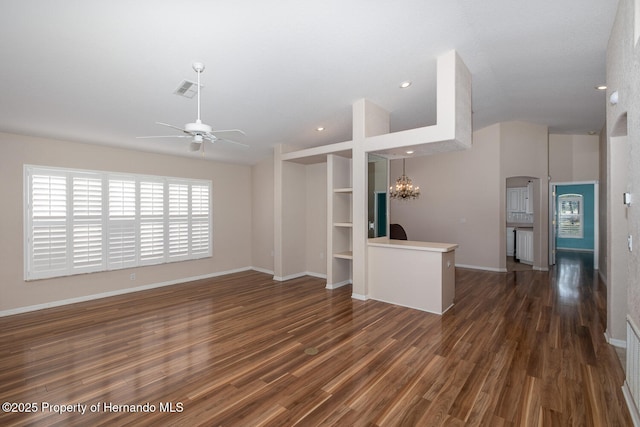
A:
{"points": [[344, 255], [348, 190], [343, 224]]}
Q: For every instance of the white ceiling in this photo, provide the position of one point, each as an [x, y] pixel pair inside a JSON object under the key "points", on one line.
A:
{"points": [[103, 72]]}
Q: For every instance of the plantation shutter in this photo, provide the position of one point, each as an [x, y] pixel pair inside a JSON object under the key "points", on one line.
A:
{"points": [[178, 220], [87, 223], [200, 220], [47, 223], [151, 222], [570, 217], [79, 221], [122, 223]]}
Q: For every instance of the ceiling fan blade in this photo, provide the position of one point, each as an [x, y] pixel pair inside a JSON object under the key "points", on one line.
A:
{"points": [[232, 142], [227, 131], [165, 136], [173, 127]]}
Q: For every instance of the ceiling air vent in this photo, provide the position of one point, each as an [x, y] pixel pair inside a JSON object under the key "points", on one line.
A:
{"points": [[187, 88]]}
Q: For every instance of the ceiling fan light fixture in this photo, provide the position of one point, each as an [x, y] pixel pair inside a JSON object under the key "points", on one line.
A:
{"points": [[198, 131]]}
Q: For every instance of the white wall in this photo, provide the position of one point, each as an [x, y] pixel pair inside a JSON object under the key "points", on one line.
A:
{"points": [[231, 218]]}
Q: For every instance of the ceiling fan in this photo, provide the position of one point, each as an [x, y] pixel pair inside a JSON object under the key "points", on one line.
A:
{"points": [[198, 131]]}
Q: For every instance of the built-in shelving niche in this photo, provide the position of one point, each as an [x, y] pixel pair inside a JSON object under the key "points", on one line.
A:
{"points": [[339, 221]]}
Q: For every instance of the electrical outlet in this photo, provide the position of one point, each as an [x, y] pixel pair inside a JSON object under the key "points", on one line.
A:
{"points": [[132, 276]]}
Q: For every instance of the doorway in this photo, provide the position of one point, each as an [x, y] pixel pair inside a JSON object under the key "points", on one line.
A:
{"points": [[574, 219], [521, 200]]}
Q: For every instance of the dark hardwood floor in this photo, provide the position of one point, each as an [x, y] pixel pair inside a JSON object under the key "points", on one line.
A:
{"points": [[518, 348]]}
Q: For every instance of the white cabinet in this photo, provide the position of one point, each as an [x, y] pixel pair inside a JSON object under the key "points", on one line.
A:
{"points": [[524, 246], [518, 199], [520, 204], [513, 200]]}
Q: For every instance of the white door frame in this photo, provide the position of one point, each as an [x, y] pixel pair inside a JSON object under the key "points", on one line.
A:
{"points": [[553, 225]]}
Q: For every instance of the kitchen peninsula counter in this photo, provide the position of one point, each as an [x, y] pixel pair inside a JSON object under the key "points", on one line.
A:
{"points": [[411, 273]]}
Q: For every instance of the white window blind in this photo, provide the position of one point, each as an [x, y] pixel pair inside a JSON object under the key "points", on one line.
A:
{"points": [[85, 221]]}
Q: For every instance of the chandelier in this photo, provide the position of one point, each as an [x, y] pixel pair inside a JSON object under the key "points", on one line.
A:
{"points": [[404, 189]]}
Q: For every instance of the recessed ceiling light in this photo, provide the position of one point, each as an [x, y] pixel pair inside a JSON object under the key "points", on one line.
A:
{"points": [[410, 152], [601, 87], [320, 128], [592, 132], [405, 85]]}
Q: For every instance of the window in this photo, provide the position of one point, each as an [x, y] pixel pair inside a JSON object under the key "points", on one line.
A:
{"points": [[85, 221], [570, 216]]}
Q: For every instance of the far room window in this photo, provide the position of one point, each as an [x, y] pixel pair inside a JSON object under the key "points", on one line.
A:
{"points": [[570, 216], [79, 221]]}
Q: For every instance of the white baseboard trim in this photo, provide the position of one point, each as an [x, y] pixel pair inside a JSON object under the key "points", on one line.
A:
{"points": [[633, 409], [540, 268], [262, 270], [412, 307], [298, 275], [318, 275], [614, 341], [477, 267], [59, 303], [289, 277], [338, 284], [359, 297]]}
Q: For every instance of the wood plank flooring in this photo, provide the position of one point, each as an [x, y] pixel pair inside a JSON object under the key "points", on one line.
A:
{"points": [[518, 348]]}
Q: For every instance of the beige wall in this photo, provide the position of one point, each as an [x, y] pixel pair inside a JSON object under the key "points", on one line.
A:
{"points": [[524, 152], [459, 201], [623, 133], [316, 213], [304, 219], [232, 233], [603, 195], [464, 192], [294, 219], [262, 215], [574, 158]]}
